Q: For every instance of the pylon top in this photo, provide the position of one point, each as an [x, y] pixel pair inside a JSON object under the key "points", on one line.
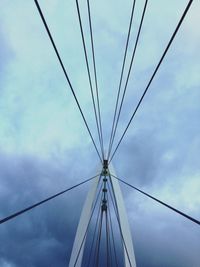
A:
{"points": [[105, 164]]}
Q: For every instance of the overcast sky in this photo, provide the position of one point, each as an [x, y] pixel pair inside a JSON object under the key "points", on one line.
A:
{"points": [[45, 147]]}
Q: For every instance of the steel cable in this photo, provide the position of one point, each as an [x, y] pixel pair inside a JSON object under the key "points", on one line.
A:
{"points": [[66, 75], [154, 73]]}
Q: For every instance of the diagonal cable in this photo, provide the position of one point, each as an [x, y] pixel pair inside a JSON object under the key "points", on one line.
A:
{"points": [[89, 75], [154, 73], [129, 71], [65, 73], [94, 235], [159, 201], [95, 71], [16, 214], [121, 76], [99, 241]]}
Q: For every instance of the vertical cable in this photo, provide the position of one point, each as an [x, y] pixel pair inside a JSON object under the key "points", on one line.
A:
{"points": [[95, 230], [95, 72], [99, 241], [109, 252], [154, 74], [107, 242], [112, 236], [127, 79], [89, 75], [66, 75], [121, 76], [96, 243]]}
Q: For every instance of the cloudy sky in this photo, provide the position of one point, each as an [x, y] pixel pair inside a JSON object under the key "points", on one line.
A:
{"points": [[45, 147]]}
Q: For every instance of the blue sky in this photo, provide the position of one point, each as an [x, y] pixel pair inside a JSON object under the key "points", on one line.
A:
{"points": [[44, 146]]}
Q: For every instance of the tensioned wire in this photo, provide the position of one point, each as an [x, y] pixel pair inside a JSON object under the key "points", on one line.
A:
{"points": [[66, 75], [153, 75], [121, 76], [95, 71], [127, 78], [89, 77], [159, 201], [18, 213]]}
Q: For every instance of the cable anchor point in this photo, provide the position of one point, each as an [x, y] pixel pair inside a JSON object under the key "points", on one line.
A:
{"points": [[105, 171]]}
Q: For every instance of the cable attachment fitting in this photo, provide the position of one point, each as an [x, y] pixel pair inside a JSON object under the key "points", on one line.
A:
{"points": [[105, 171], [104, 205]]}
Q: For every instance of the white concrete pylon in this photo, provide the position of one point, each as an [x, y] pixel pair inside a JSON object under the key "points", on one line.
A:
{"points": [[82, 226], [123, 219], [128, 251]]}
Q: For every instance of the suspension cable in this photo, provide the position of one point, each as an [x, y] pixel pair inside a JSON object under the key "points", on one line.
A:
{"points": [[159, 201], [121, 76], [12, 216], [95, 72], [89, 75], [154, 73], [99, 240], [66, 75], [112, 235], [109, 254], [129, 71], [94, 235]]}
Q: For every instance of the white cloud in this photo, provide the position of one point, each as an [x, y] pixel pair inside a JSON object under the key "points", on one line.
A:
{"points": [[38, 115]]}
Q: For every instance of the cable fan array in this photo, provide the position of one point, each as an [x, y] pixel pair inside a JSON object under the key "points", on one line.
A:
{"points": [[103, 235]]}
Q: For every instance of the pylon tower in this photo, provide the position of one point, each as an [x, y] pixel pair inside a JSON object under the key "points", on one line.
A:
{"points": [[106, 182]]}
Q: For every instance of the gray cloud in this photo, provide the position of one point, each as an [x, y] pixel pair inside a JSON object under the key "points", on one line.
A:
{"points": [[43, 236], [44, 147]]}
